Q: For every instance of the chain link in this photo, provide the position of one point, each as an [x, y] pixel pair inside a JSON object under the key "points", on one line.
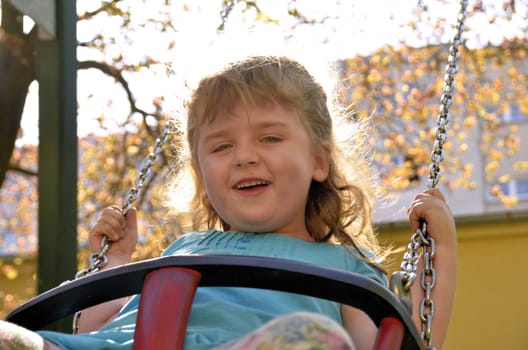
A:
{"points": [[421, 237], [99, 260]]}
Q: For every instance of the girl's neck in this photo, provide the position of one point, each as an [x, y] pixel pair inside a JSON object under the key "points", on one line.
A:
{"points": [[305, 236]]}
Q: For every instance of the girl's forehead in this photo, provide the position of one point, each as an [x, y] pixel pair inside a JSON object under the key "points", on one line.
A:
{"points": [[240, 109], [267, 111]]}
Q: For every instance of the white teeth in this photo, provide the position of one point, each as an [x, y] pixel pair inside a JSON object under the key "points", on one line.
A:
{"points": [[242, 185]]}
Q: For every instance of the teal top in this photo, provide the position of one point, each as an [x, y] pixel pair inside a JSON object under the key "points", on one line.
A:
{"points": [[220, 314]]}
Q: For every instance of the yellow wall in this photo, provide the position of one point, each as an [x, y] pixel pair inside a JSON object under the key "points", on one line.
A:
{"points": [[491, 304], [17, 282]]}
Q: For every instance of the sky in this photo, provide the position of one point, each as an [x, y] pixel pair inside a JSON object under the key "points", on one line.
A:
{"points": [[352, 28], [355, 27]]}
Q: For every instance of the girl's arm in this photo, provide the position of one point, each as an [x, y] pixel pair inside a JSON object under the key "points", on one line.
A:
{"points": [[123, 234], [431, 207], [361, 328]]}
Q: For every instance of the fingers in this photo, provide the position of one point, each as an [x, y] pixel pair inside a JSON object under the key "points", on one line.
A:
{"points": [[120, 230], [131, 219], [435, 192], [425, 206], [430, 206], [111, 223]]}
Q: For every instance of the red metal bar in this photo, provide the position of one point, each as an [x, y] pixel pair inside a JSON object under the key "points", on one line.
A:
{"points": [[164, 308], [390, 334]]}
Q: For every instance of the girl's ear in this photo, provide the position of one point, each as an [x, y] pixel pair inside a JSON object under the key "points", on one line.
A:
{"points": [[321, 162]]}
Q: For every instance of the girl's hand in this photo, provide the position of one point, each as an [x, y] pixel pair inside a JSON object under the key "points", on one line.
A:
{"points": [[431, 207], [121, 231]]}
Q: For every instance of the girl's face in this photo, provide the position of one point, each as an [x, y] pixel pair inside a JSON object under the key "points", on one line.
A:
{"points": [[256, 165]]}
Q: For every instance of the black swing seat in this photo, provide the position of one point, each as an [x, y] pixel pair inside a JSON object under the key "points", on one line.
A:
{"points": [[220, 270]]}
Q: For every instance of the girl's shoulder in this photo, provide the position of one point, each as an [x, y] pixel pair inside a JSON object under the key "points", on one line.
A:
{"points": [[185, 240]]}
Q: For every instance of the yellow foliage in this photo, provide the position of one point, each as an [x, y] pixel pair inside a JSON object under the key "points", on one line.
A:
{"points": [[496, 191], [9, 271], [520, 165], [504, 178], [523, 105], [400, 184], [400, 139], [509, 201], [374, 77], [487, 138], [376, 59], [470, 185], [388, 143], [468, 170], [495, 155], [492, 167], [512, 73], [386, 90]]}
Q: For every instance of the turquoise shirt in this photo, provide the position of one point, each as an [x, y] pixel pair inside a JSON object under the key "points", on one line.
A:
{"points": [[220, 314]]}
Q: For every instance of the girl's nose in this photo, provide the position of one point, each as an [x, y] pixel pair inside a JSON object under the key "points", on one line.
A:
{"points": [[245, 155]]}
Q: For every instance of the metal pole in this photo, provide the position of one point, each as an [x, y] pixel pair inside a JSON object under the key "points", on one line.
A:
{"points": [[57, 71]]}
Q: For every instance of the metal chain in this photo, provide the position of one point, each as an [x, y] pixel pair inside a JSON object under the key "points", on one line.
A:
{"points": [[446, 100], [99, 260], [421, 238]]}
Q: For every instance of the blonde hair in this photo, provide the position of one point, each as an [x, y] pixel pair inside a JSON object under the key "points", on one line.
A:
{"points": [[337, 209]]}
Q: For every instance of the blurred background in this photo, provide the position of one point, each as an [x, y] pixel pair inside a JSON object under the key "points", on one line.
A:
{"points": [[86, 88]]}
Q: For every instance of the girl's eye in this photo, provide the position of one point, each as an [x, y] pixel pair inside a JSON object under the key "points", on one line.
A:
{"points": [[221, 148], [270, 139]]}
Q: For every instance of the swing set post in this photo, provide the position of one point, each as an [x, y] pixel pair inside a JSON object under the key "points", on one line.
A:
{"points": [[56, 69]]}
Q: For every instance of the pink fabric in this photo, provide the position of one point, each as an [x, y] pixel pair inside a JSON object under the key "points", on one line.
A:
{"points": [[300, 330]]}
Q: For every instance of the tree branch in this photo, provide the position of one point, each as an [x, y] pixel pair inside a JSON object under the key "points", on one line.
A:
{"points": [[118, 76], [109, 7], [13, 167]]}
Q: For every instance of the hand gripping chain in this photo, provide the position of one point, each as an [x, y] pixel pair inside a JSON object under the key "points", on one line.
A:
{"points": [[99, 260]]}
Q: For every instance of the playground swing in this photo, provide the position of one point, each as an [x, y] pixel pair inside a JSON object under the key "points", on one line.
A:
{"points": [[175, 278]]}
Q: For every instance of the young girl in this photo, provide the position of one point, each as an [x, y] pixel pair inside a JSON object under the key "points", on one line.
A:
{"points": [[269, 183]]}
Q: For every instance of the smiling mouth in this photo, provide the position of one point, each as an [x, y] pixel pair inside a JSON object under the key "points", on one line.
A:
{"points": [[248, 185]]}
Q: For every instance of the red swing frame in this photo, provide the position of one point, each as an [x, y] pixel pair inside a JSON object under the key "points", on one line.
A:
{"points": [[174, 279]]}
